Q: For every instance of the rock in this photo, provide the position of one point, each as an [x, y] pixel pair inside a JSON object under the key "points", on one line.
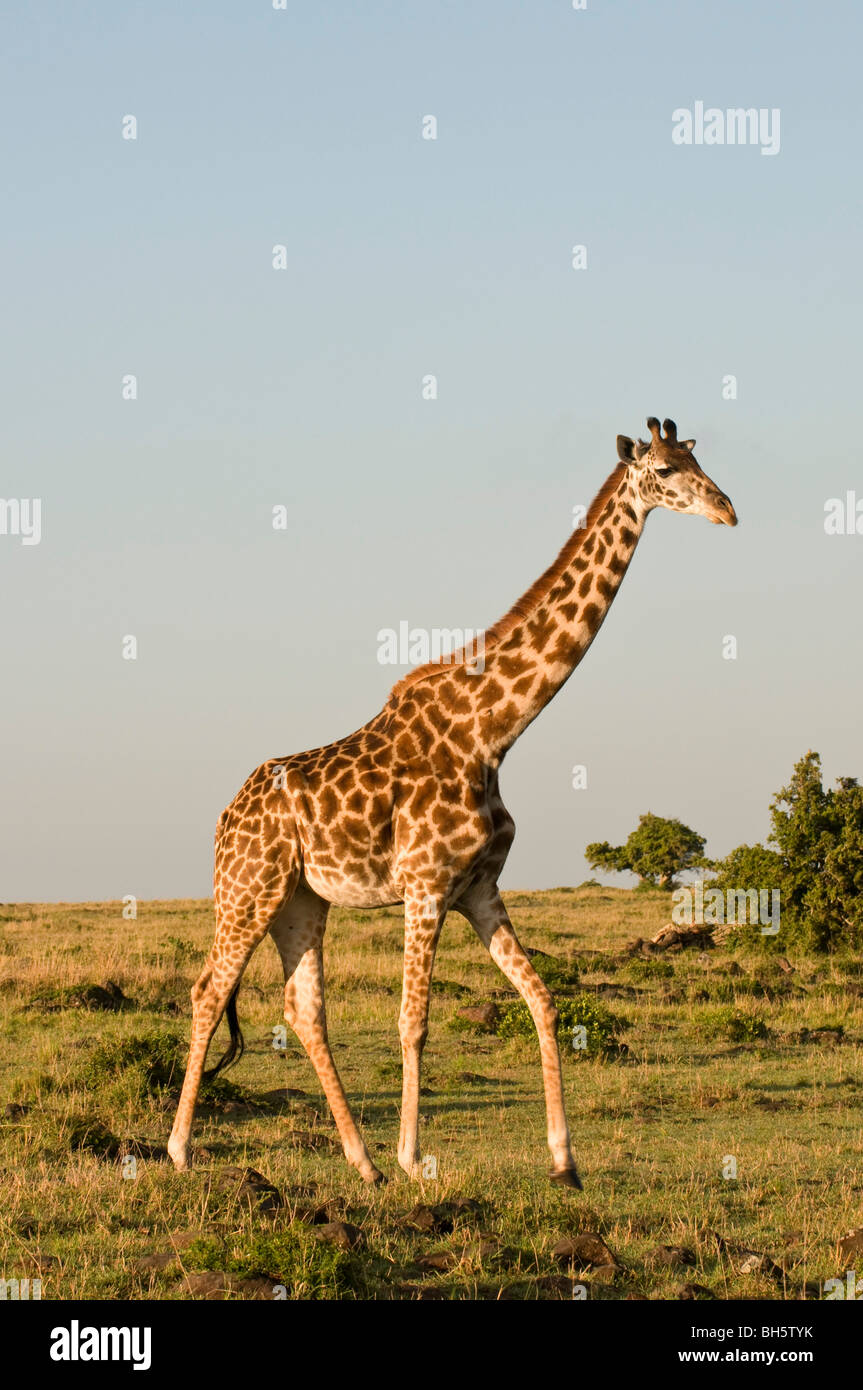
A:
{"points": [[851, 1245], [428, 1219], [214, 1284], [340, 1233], [822, 1035], [693, 1291], [426, 1294], [108, 998], [785, 966], [555, 1283], [485, 1015], [308, 1139], [471, 1078], [673, 1256], [154, 1262], [755, 1263], [587, 1251], [15, 1111], [437, 1260], [672, 937], [248, 1185]]}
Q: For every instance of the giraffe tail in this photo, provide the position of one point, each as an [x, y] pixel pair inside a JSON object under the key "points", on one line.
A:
{"points": [[236, 1046]]}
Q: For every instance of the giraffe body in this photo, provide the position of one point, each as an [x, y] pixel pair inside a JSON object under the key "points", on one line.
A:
{"points": [[408, 810]]}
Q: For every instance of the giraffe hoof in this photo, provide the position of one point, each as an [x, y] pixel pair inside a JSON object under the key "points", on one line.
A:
{"points": [[566, 1177], [376, 1178]]}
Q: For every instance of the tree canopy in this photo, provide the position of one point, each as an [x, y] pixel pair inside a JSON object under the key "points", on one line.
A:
{"points": [[656, 851]]}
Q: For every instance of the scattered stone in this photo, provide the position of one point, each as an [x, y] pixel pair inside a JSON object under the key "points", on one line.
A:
{"points": [[588, 1251], [340, 1233], [281, 1097], [821, 1035], [16, 1111], [555, 1283], [248, 1185], [755, 1263], [308, 1139], [851, 1245], [108, 997], [694, 1291], [673, 1256], [484, 1015], [672, 936], [438, 1260], [785, 966], [471, 1078], [154, 1263], [435, 1220]]}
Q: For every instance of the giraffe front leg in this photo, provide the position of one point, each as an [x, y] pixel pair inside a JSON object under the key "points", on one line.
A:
{"points": [[424, 915], [486, 913]]}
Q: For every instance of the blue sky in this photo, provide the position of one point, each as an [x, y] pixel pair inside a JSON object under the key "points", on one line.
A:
{"points": [[302, 387]]}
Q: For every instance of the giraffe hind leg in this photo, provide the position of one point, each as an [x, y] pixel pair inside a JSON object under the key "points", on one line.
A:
{"points": [[242, 922]]}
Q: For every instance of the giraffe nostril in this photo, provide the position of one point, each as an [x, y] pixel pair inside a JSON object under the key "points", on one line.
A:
{"points": [[728, 509]]}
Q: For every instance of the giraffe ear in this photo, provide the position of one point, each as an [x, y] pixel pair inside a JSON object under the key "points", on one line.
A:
{"points": [[688, 444], [630, 451]]}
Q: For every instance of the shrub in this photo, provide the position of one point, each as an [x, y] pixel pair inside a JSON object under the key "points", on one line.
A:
{"points": [[733, 1025], [817, 863], [147, 1064], [554, 972], [600, 1025], [308, 1268]]}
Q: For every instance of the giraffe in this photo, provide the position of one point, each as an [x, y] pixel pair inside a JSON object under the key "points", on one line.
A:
{"points": [[408, 810]]}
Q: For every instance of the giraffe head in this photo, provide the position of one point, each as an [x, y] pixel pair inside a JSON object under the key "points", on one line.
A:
{"points": [[666, 475]]}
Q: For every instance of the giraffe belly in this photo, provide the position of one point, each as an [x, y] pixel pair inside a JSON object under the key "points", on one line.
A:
{"points": [[373, 890]]}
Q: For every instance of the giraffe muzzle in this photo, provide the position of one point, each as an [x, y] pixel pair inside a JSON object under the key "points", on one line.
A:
{"points": [[722, 512]]}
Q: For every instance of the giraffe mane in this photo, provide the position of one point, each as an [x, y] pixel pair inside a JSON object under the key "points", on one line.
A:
{"points": [[529, 600]]}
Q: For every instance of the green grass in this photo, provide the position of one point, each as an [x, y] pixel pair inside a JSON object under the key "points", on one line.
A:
{"points": [[718, 1062]]}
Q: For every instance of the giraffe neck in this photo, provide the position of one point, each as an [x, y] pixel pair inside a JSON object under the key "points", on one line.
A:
{"points": [[535, 648]]}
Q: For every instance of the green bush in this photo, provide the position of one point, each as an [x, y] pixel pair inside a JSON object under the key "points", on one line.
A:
{"points": [[600, 1025], [817, 863], [147, 1064], [638, 969], [732, 1025], [308, 1268], [554, 972]]}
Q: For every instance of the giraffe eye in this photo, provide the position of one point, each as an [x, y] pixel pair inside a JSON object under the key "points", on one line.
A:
{"points": [[663, 472]]}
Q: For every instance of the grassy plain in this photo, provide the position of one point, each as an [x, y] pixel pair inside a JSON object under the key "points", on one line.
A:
{"points": [[720, 1063]]}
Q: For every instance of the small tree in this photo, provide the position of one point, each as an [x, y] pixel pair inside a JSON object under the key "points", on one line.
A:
{"points": [[817, 863], [656, 851]]}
